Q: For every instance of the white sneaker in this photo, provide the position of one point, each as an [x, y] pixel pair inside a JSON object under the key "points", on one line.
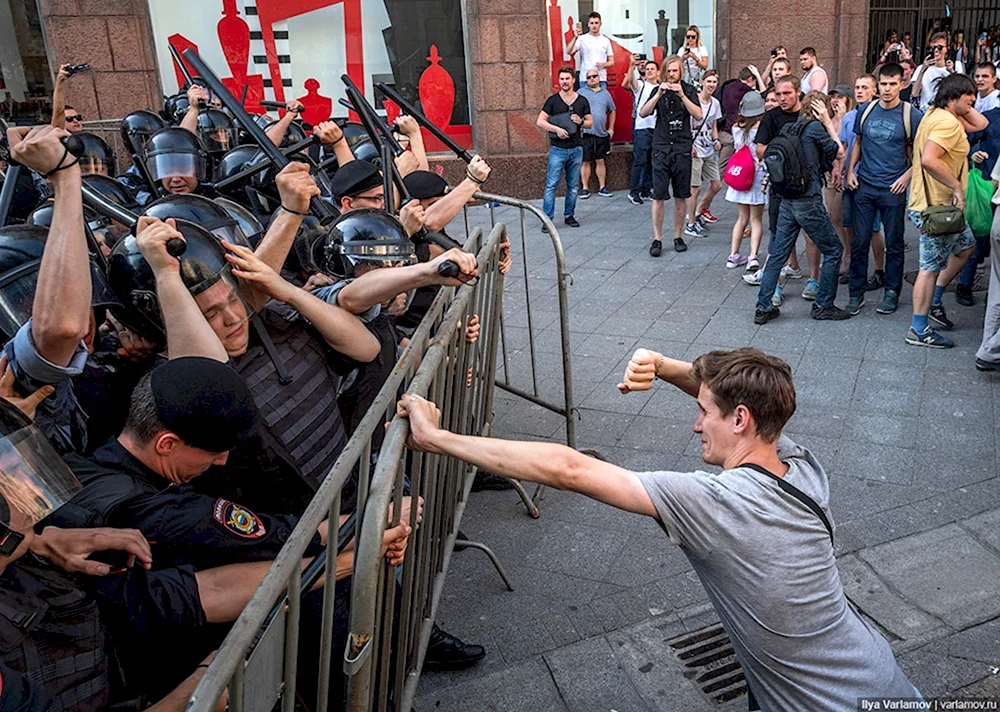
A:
{"points": [[753, 278], [790, 273], [777, 299]]}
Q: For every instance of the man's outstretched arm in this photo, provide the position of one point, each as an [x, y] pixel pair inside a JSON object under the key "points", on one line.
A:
{"points": [[545, 463]]}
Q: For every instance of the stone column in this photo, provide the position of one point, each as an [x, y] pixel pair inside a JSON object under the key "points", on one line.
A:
{"points": [[115, 37]]}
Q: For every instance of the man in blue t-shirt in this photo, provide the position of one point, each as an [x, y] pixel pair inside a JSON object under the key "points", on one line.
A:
{"points": [[879, 173]]}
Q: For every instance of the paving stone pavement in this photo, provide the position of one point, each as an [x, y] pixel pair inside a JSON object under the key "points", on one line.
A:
{"points": [[908, 436]]}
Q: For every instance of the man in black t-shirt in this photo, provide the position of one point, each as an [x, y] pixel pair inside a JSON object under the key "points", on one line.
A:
{"points": [[564, 115], [674, 103], [786, 112]]}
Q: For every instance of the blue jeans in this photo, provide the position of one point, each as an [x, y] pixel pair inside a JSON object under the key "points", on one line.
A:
{"points": [[570, 160], [642, 162], [807, 214], [868, 202]]}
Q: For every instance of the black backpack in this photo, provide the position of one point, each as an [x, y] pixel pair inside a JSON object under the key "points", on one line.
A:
{"points": [[786, 163]]}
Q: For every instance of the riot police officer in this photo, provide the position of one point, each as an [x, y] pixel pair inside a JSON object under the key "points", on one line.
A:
{"points": [[176, 159]]}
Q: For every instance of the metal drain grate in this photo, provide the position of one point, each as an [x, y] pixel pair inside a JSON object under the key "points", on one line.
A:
{"points": [[710, 661]]}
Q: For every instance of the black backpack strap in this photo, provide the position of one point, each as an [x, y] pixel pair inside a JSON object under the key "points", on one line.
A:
{"points": [[794, 491]]}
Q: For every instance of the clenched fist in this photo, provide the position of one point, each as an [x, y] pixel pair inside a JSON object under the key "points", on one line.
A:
{"points": [[641, 371]]}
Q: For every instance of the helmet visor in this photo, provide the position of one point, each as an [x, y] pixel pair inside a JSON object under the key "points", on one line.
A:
{"points": [[33, 478], [95, 165], [219, 139], [17, 294], [231, 233], [185, 165]]}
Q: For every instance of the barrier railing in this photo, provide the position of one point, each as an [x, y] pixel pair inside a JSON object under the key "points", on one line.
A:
{"points": [[286, 645], [527, 213]]}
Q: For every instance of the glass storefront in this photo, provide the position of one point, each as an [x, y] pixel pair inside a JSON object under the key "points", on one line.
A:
{"points": [[25, 77], [655, 28], [298, 49]]}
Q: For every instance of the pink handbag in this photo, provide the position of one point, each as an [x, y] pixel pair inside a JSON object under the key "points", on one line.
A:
{"points": [[740, 171]]}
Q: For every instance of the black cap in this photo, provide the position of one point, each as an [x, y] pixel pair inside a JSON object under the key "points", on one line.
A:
{"points": [[204, 402], [425, 184], [354, 178]]}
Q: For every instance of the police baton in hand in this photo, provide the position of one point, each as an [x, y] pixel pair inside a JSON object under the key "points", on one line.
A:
{"points": [[408, 108], [256, 134]]}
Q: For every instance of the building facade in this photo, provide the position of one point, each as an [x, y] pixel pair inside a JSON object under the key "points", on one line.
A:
{"points": [[480, 68]]}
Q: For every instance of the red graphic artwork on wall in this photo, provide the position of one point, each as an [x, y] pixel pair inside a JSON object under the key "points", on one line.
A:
{"points": [[318, 107], [234, 38]]}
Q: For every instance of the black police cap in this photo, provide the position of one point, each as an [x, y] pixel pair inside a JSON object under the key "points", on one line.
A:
{"points": [[354, 178], [204, 402], [425, 184]]}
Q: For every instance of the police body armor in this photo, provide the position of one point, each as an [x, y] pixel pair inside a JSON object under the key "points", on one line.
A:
{"points": [[299, 422], [50, 632]]}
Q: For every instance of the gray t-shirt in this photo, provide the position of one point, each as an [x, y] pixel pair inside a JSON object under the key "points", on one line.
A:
{"points": [[767, 564], [601, 104]]}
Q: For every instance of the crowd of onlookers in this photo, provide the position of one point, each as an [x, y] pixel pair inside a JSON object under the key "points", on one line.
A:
{"points": [[842, 161]]}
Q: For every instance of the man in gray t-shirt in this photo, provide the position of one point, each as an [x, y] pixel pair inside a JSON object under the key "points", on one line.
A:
{"points": [[597, 139], [759, 534]]}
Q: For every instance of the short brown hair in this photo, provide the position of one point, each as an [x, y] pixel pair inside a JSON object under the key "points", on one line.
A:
{"points": [[566, 70], [789, 79], [751, 378], [812, 97]]}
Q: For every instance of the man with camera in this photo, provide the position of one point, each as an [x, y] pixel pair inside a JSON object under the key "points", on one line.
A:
{"points": [[932, 71], [63, 115], [674, 102]]}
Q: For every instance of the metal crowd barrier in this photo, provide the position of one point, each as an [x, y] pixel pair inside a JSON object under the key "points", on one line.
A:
{"points": [[390, 616], [510, 382]]}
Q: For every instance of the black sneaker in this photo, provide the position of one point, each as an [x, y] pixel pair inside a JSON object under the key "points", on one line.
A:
{"points": [[446, 652], [571, 221], [982, 365], [679, 245], [545, 228], [937, 315], [634, 199], [646, 195], [656, 248], [963, 295], [845, 278], [762, 316], [830, 313], [876, 281], [490, 481]]}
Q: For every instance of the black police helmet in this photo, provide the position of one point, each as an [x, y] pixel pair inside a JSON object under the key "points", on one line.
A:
{"points": [[293, 135], [21, 248], [235, 161], [247, 221], [175, 151], [104, 229], [367, 151], [203, 264], [217, 131], [201, 211], [174, 107], [354, 132], [113, 190], [366, 235], [311, 233], [97, 156], [139, 126]]}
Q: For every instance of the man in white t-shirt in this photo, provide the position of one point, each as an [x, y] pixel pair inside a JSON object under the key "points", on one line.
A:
{"points": [[642, 87], [813, 76], [931, 72], [595, 50], [704, 158], [987, 95]]}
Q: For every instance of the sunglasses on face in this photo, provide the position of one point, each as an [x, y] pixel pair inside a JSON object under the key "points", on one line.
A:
{"points": [[691, 37], [938, 48], [592, 76], [78, 117]]}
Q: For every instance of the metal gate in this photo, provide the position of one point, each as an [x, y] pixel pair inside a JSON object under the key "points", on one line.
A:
{"points": [[918, 17]]}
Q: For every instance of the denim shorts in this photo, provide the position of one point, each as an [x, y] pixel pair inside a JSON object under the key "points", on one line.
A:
{"points": [[935, 251]]}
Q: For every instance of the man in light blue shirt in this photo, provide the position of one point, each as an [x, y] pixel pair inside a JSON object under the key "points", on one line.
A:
{"points": [[597, 138]]}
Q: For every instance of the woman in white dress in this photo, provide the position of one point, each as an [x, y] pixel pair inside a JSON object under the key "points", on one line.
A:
{"points": [[749, 203]]}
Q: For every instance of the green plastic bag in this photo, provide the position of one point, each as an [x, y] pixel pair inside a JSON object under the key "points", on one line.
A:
{"points": [[977, 203]]}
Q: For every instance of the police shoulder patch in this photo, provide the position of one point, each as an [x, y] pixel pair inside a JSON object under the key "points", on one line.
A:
{"points": [[238, 520]]}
